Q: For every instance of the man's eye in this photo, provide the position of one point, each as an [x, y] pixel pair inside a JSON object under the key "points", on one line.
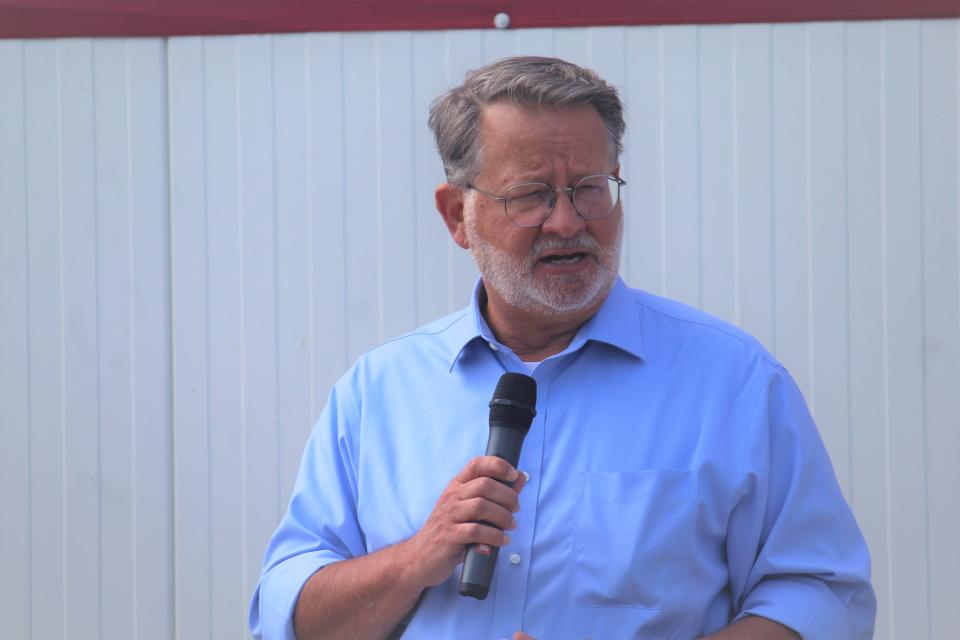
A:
{"points": [[530, 196]]}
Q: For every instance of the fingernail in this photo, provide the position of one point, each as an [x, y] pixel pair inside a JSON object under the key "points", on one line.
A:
{"points": [[506, 540], [514, 474]]}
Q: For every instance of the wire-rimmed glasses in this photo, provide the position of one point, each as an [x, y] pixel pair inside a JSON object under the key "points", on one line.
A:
{"points": [[530, 204]]}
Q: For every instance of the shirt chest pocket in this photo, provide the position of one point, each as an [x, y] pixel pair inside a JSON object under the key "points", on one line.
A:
{"points": [[632, 539]]}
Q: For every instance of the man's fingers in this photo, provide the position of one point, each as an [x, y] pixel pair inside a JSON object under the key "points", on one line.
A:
{"points": [[490, 489], [490, 467], [520, 483], [477, 533], [482, 510], [469, 533]]}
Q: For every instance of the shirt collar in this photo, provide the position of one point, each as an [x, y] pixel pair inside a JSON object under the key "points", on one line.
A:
{"points": [[616, 323], [469, 327]]}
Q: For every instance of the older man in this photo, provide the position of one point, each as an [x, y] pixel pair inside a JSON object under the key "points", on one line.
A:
{"points": [[673, 484]]}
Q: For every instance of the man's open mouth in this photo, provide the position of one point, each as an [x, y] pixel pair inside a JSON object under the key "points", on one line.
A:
{"points": [[565, 258]]}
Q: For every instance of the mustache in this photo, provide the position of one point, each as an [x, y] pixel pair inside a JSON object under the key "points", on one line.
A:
{"points": [[582, 242]]}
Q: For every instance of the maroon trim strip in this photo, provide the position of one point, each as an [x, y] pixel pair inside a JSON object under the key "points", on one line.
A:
{"points": [[100, 18]]}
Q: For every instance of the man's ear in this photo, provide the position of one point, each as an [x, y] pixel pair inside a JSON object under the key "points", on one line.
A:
{"points": [[450, 202]]}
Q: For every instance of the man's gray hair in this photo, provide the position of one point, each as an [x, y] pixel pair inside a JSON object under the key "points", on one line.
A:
{"points": [[524, 81]]}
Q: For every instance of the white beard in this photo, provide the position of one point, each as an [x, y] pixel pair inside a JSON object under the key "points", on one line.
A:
{"points": [[557, 294]]}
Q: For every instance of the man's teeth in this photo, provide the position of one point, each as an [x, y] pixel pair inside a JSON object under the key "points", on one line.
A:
{"points": [[565, 259]]}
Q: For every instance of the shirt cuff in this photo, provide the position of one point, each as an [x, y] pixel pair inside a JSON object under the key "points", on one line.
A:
{"points": [[806, 605], [271, 611]]}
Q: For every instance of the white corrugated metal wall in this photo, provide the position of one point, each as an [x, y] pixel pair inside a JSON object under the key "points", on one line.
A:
{"points": [[198, 235]]}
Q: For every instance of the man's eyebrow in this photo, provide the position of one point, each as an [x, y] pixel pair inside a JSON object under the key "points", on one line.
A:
{"points": [[539, 174], [533, 177]]}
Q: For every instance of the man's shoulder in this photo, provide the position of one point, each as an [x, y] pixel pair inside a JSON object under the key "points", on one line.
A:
{"points": [[441, 338], [443, 329], [682, 321]]}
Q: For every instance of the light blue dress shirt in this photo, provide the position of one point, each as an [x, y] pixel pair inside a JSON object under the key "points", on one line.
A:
{"points": [[676, 483]]}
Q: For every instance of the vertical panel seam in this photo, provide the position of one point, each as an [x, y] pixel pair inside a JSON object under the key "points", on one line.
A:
{"points": [[378, 125], [98, 332], [276, 316], [29, 425], [168, 83], [735, 169], [662, 157], [131, 319], [847, 258], [164, 87], [923, 324], [698, 166], [206, 335], [625, 251], [130, 341], [343, 198], [884, 322], [772, 131], [808, 213], [63, 385], [311, 266], [239, 48], [412, 140], [171, 353]]}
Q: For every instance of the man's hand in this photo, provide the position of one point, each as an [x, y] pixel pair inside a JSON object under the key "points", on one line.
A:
{"points": [[474, 495], [366, 596]]}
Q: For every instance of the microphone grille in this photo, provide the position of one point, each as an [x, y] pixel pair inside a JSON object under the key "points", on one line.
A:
{"points": [[514, 399], [517, 387]]}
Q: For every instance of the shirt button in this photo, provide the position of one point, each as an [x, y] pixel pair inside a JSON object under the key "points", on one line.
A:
{"points": [[493, 346], [526, 476], [514, 558]]}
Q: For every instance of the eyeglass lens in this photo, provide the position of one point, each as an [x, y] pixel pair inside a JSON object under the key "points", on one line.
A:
{"points": [[529, 205]]}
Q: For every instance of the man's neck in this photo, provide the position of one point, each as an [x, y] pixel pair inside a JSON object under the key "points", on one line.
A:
{"points": [[530, 335]]}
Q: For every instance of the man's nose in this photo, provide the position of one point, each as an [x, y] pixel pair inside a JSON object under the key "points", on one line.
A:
{"points": [[564, 220]]}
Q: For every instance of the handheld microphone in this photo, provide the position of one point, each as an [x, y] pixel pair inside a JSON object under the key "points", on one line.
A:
{"points": [[511, 411]]}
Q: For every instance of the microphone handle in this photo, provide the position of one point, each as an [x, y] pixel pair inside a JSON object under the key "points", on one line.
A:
{"points": [[505, 442]]}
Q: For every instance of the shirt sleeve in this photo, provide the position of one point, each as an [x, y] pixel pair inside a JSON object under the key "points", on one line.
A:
{"points": [[320, 526], [795, 552]]}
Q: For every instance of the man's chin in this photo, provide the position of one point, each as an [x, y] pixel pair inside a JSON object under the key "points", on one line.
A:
{"points": [[567, 298]]}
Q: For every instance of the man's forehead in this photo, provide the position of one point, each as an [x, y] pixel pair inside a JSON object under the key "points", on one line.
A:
{"points": [[496, 112], [526, 140]]}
